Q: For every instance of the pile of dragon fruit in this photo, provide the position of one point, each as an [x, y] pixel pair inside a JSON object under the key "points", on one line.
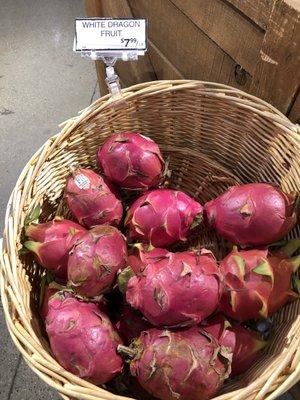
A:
{"points": [[121, 309]]}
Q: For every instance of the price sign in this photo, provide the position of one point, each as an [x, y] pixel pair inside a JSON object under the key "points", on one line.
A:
{"points": [[109, 34]]}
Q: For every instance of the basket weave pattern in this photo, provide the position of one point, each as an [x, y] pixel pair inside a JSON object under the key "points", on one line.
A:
{"points": [[215, 136]]}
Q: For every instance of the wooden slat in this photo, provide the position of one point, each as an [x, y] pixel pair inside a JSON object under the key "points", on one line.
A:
{"points": [[294, 116], [163, 68], [131, 72], [227, 27], [257, 10], [277, 75], [93, 8], [197, 57]]}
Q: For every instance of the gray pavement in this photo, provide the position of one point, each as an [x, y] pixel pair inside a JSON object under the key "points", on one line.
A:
{"points": [[42, 83]]}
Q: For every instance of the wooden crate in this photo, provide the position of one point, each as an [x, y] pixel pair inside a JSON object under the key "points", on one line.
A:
{"points": [[252, 45]]}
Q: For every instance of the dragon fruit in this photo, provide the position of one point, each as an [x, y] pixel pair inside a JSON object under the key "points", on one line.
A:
{"points": [[139, 256], [91, 199], [53, 288], [83, 339], [44, 308], [50, 292], [187, 365], [96, 259], [131, 324], [257, 282], [162, 217], [131, 160], [51, 243], [254, 214], [137, 260], [246, 345], [142, 254], [176, 289]]}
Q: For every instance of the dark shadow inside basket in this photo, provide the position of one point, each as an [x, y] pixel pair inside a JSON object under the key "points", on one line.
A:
{"points": [[212, 144]]}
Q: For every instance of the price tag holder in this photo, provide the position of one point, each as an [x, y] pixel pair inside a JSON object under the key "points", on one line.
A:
{"points": [[110, 35], [109, 40]]}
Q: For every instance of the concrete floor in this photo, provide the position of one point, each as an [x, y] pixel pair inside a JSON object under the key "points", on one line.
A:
{"points": [[42, 83]]}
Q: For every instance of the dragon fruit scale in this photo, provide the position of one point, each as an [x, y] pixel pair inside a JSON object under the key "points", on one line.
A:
{"points": [[48, 288], [51, 243], [91, 199], [254, 214], [187, 365], [257, 282], [131, 160], [176, 289], [53, 288], [141, 254], [246, 345], [83, 339], [96, 259], [162, 217]]}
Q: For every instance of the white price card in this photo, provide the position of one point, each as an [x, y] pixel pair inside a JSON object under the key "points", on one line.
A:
{"points": [[110, 34]]}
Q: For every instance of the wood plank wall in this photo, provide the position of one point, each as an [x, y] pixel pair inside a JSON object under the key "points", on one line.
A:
{"points": [[254, 46]]}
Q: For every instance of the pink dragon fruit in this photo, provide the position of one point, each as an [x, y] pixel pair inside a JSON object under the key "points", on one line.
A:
{"points": [[49, 288], [83, 339], [254, 214], [177, 289], [246, 345], [187, 365], [162, 217], [139, 256], [51, 243], [257, 282], [131, 160], [142, 254], [131, 324], [53, 288], [96, 259], [48, 293], [91, 200]]}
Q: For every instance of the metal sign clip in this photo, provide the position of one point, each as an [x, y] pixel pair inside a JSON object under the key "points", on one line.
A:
{"points": [[109, 40]]}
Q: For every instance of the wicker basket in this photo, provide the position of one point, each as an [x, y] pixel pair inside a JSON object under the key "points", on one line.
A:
{"points": [[215, 136]]}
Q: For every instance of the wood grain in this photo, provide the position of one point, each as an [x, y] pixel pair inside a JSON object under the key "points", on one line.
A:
{"points": [[196, 58], [217, 40], [163, 68], [93, 8], [235, 34], [294, 116], [277, 75], [259, 10]]}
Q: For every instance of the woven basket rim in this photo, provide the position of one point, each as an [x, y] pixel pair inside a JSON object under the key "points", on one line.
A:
{"points": [[282, 374]]}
